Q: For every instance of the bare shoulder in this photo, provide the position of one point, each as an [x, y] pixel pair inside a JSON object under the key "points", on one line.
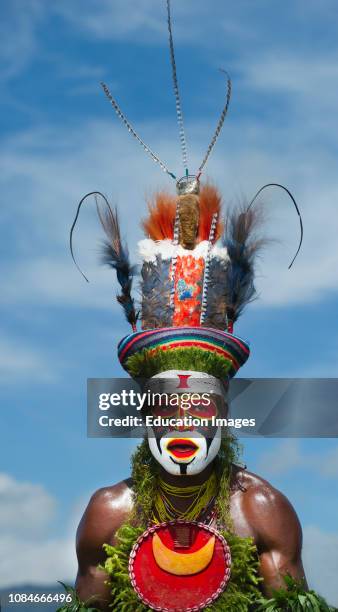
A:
{"points": [[269, 513], [260, 494], [108, 508]]}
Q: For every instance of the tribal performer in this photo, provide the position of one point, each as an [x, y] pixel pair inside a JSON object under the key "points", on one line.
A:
{"points": [[192, 529]]}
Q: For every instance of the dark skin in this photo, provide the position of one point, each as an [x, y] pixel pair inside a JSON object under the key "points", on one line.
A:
{"points": [[257, 510]]}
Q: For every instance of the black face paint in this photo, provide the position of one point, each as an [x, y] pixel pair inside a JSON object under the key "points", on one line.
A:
{"points": [[209, 440], [182, 466]]}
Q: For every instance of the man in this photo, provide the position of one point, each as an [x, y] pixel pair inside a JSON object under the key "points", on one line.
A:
{"points": [[258, 510], [186, 456], [191, 530]]}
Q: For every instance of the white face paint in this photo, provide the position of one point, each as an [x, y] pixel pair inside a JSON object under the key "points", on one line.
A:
{"points": [[185, 451], [180, 453]]}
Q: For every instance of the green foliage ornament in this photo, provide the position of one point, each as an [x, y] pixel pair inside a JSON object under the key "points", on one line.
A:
{"points": [[243, 592], [293, 598], [76, 605]]}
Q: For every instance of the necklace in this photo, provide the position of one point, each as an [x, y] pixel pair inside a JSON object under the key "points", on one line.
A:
{"points": [[201, 497]]}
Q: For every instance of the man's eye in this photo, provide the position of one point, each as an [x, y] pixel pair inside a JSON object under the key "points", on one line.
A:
{"points": [[203, 411], [163, 411]]}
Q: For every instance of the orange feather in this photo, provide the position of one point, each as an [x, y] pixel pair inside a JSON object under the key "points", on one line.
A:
{"points": [[159, 225], [210, 203]]}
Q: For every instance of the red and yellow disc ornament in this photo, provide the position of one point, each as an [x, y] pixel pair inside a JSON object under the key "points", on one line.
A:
{"points": [[185, 564], [179, 566]]}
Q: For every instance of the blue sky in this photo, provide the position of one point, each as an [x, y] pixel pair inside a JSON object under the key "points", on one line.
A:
{"points": [[61, 139]]}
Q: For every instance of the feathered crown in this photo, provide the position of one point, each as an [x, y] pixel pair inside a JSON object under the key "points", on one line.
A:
{"points": [[197, 270]]}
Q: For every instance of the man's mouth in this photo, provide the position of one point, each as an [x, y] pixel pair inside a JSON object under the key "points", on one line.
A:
{"points": [[182, 448]]}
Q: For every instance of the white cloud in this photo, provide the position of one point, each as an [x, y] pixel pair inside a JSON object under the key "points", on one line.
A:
{"points": [[28, 553], [327, 465], [22, 504], [52, 281], [302, 82], [144, 21], [284, 457], [19, 42], [288, 455], [21, 361], [121, 20], [37, 562], [118, 20], [320, 557]]}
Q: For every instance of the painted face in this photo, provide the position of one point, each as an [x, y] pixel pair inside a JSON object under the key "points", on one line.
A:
{"points": [[187, 449]]}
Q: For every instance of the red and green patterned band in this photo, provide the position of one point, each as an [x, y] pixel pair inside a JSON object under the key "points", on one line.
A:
{"points": [[233, 350]]}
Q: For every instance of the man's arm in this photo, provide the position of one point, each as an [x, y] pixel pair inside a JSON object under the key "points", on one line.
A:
{"points": [[278, 535], [107, 510]]}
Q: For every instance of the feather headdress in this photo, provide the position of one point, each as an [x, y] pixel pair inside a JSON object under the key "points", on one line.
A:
{"points": [[197, 272]]}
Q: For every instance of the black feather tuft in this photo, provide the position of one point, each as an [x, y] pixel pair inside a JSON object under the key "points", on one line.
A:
{"points": [[242, 243], [115, 254]]}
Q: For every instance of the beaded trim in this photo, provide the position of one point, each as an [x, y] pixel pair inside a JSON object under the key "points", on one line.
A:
{"points": [[206, 268], [155, 528], [174, 259]]}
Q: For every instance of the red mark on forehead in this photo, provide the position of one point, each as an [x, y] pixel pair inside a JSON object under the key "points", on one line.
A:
{"points": [[183, 381]]}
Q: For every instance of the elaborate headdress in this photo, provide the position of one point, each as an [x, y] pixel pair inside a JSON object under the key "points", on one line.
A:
{"points": [[198, 268]]}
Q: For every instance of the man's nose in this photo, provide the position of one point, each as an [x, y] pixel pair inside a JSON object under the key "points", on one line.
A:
{"points": [[183, 413]]}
